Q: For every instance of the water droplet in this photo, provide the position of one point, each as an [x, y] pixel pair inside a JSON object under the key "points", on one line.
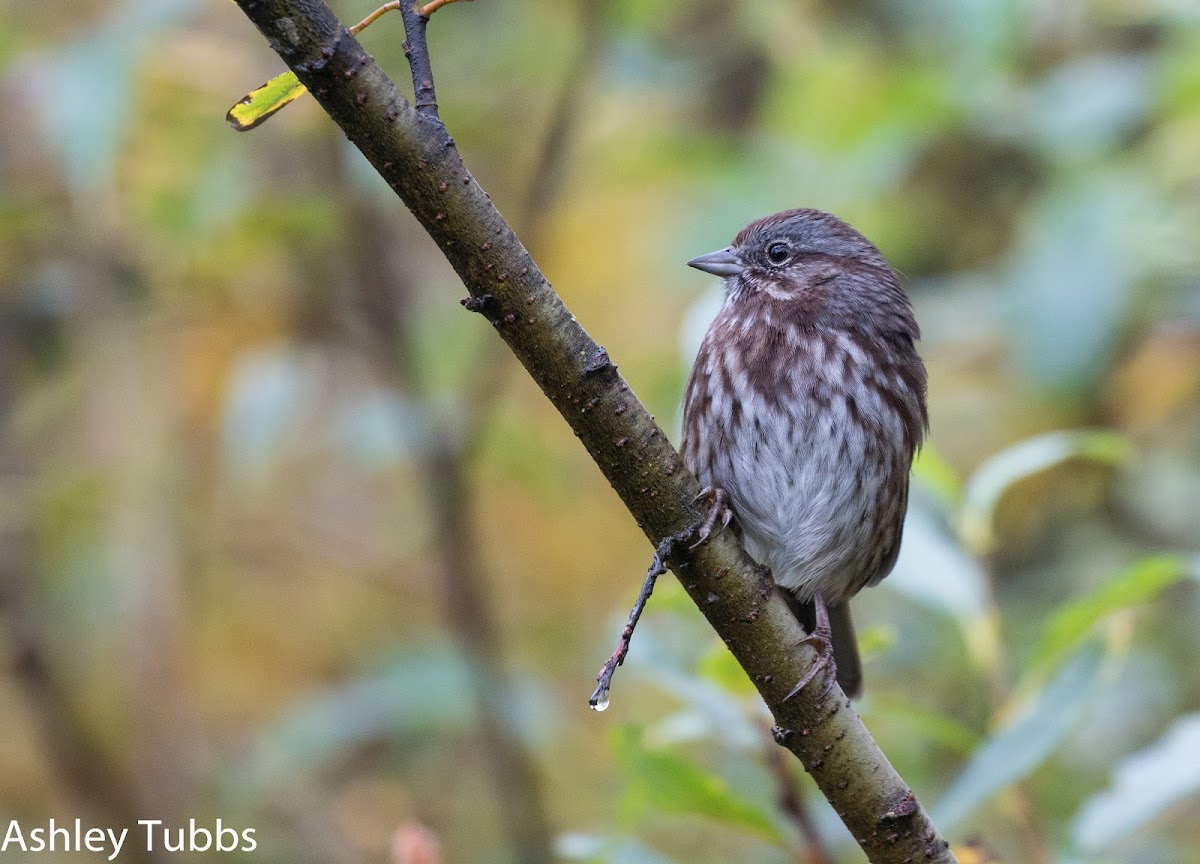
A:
{"points": [[600, 704]]}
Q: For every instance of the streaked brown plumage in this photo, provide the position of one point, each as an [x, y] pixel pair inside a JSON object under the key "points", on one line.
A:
{"points": [[806, 405]]}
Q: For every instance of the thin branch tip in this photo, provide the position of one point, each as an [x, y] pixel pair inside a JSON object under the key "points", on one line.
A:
{"points": [[431, 7], [658, 566], [370, 19]]}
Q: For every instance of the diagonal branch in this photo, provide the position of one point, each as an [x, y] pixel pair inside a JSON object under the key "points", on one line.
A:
{"points": [[791, 802], [417, 157]]}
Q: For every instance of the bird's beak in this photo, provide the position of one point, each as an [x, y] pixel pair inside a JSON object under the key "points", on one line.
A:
{"points": [[724, 262]]}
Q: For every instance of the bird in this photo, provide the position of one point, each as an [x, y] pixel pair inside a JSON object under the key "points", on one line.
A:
{"points": [[803, 413]]}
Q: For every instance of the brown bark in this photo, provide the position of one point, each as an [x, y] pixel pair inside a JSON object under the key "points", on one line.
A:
{"points": [[413, 151]]}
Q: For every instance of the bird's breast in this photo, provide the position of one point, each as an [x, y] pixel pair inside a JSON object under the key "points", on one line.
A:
{"points": [[798, 430]]}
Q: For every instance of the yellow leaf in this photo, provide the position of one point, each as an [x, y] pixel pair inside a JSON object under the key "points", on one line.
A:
{"points": [[974, 853], [257, 105]]}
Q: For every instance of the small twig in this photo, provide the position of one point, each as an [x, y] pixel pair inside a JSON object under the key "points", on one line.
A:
{"points": [[658, 566], [431, 7], [370, 19], [416, 49], [700, 532], [791, 802]]}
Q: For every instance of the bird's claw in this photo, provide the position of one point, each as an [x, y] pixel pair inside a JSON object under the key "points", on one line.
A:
{"points": [[720, 511], [821, 638], [823, 662]]}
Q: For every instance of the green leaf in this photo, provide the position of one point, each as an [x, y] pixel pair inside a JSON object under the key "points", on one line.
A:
{"points": [[721, 667], [674, 785], [993, 478], [926, 723], [1023, 743], [1077, 248], [875, 642], [257, 105], [1139, 583], [934, 570], [1146, 784], [935, 473]]}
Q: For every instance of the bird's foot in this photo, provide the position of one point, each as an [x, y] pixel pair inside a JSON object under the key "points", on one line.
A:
{"points": [[719, 512], [821, 638]]}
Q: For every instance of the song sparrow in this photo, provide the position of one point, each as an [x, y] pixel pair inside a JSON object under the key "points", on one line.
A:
{"points": [[803, 412]]}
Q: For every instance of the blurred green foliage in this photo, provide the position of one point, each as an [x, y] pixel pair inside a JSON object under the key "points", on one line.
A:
{"points": [[212, 488]]}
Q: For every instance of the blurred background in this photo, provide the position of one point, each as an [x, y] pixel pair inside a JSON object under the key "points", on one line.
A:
{"points": [[288, 539]]}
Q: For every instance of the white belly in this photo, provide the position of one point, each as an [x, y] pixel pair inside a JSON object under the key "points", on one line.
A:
{"points": [[816, 494]]}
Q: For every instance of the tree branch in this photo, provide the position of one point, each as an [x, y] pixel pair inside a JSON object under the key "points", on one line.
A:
{"points": [[791, 802], [417, 157]]}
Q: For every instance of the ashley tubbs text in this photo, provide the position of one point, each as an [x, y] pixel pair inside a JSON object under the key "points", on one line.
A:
{"points": [[151, 835]]}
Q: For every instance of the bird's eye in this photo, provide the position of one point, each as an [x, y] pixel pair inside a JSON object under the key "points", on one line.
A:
{"points": [[778, 252]]}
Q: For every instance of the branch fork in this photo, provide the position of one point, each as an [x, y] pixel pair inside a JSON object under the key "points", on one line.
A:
{"points": [[422, 165]]}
